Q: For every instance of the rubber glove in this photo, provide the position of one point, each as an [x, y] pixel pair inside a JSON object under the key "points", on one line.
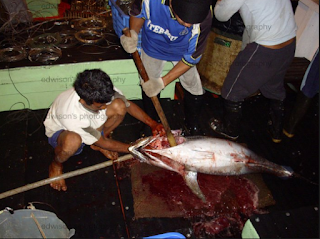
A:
{"points": [[130, 44], [153, 86]]}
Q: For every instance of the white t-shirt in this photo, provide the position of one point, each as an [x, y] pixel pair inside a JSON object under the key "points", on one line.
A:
{"points": [[66, 112], [268, 22]]}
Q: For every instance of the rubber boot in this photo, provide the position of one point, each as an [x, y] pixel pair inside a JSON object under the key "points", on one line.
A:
{"points": [[230, 124], [151, 111], [276, 113], [299, 110], [192, 109]]}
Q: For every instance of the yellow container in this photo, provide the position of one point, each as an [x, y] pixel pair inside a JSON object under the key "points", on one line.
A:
{"points": [[216, 61]]}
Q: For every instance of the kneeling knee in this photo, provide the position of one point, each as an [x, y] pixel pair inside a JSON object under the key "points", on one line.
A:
{"points": [[70, 143]]}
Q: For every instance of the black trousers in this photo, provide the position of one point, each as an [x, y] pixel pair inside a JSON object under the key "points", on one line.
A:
{"points": [[258, 68]]}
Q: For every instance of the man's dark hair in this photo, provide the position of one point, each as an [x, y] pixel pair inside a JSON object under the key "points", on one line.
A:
{"points": [[94, 86]]}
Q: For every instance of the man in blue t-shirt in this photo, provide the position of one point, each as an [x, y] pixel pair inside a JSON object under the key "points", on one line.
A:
{"points": [[176, 31]]}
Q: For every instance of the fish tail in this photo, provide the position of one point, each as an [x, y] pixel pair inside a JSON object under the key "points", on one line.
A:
{"points": [[273, 168], [287, 171]]}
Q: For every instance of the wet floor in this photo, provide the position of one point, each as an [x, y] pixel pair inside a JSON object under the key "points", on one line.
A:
{"points": [[100, 204]]}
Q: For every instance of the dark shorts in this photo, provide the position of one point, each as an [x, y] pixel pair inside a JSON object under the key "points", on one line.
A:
{"points": [[53, 141], [258, 68]]}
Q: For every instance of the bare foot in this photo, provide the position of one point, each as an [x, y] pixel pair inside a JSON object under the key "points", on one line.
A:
{"points": [[107, 153], [55, 169]]}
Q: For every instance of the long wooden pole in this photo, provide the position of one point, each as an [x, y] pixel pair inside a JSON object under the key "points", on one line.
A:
{"points": [[64, 176], [155, 100]]}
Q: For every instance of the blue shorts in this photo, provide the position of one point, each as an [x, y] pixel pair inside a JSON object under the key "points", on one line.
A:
{"points": [[54, 143]]}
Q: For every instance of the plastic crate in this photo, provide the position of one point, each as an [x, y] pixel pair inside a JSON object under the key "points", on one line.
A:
{"points": [[120, 21], [167, 235]]}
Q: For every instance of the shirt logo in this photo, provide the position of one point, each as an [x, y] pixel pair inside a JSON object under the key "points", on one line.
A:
{"points": [[184, 32], [159, 30]]}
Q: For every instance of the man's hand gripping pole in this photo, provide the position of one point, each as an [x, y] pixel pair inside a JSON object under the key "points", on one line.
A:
{"points": [[155, 100]]}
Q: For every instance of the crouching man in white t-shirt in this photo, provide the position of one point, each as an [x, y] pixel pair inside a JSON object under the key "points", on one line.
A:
{"points": [[85, 115]]}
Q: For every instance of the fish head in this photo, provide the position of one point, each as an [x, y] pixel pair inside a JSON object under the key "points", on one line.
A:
{"points": [[136, 149], [139, 149], [151, 150]]}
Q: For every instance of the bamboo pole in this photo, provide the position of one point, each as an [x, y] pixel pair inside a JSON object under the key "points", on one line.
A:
{"points": [[155, 100], [64, 176]]}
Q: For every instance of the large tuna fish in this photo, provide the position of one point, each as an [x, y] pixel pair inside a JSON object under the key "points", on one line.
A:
{"points": [[205, 155]]}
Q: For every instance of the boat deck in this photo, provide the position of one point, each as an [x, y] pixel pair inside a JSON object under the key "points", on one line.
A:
{"points": [[100, 204]]}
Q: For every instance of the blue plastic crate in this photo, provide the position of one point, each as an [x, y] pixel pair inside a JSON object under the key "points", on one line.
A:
{"points": [[120, 21], [172, 235]]}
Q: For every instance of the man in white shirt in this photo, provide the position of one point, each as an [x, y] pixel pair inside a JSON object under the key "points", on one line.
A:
{"points": [[86, 115], [267, 52]]}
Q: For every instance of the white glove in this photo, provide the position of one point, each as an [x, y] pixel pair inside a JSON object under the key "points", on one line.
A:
{"points": [[130, 44], [153, 86]]}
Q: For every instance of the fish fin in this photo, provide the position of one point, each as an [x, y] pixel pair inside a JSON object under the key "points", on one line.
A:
{"points": [[192, 182]]}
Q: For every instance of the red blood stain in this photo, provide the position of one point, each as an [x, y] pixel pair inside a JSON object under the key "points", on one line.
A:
{"points": [[230, 201]]}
